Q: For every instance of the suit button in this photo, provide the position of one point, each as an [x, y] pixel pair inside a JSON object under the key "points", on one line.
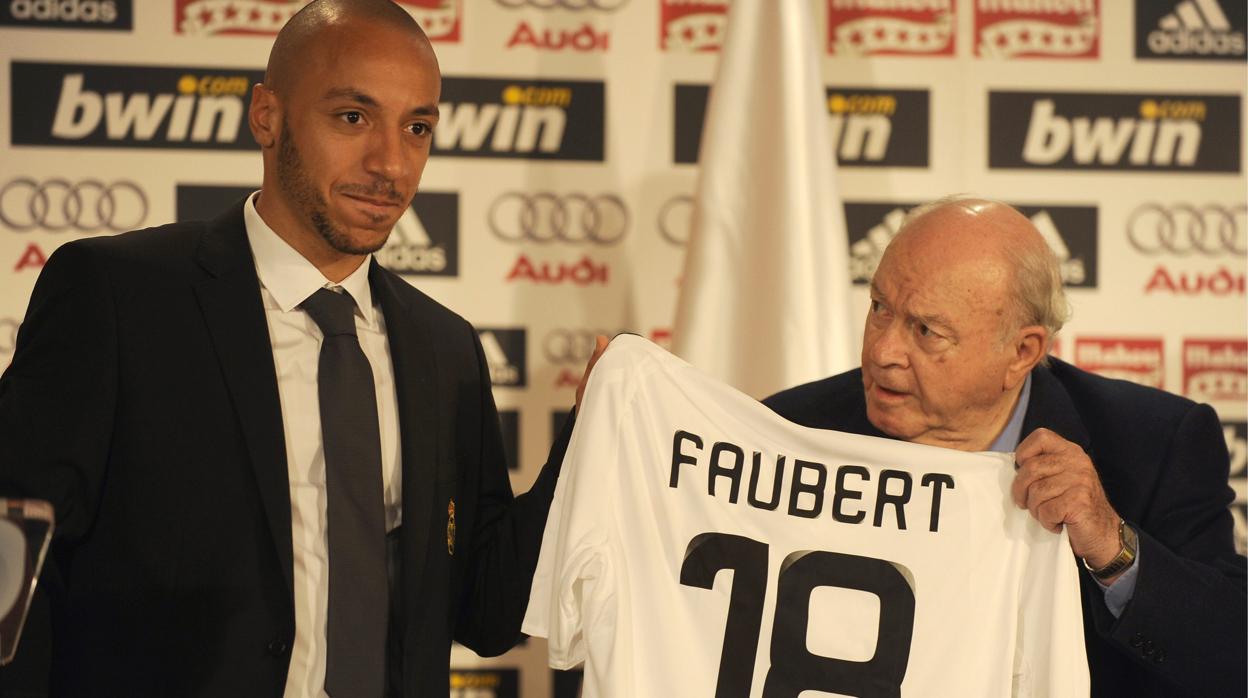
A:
{"points": [[1147, 650], [1137, 640], [1159, 656], [277, 648]]}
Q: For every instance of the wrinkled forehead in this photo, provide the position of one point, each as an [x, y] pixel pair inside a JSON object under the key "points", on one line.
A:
{"points": [[934, 271]]}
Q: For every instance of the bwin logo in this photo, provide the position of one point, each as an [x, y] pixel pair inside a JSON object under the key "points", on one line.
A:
{"points": [[410, 250], [860, 125], [536, 119], [528, 120], [207, 109], [1166, 133]]}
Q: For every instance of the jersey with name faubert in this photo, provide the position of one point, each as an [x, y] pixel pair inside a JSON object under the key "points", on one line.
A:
{"points": [[701, 546]]}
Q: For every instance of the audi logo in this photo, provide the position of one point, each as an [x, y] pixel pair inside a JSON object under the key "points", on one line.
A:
{"points": [[571, 346], [8, 336], [1182, 229], [676, 219], [572, 218], [605, 5], [57, 205]]}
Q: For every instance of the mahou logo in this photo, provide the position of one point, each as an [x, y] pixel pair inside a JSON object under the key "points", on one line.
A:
{"points": [[1137, 360], [1215, 369], [1108, 131], [1030, 29], [439, 18], [692, 25], [891, 27]]}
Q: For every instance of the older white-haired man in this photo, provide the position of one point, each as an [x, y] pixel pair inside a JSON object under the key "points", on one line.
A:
{"points": [[964, 307]]}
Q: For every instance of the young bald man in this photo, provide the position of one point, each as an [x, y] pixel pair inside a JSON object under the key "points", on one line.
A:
{"points": [[276, 466], [964, 307]]}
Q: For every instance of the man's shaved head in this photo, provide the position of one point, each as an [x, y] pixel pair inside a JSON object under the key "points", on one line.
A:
{"points": [[988, 228], [312, 26]]}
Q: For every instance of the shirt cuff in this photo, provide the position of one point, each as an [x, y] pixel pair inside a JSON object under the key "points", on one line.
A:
{"points": [[1118, 594]]}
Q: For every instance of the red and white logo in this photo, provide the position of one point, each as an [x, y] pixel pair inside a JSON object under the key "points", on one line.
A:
{"points": [[692, 25], [1029, 29], [1215, 369], [1137, 360], [439, 18], [891, 27]]}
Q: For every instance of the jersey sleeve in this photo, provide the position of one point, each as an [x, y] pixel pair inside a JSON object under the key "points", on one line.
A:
{"points": [[1050, 660], [572, 601]]}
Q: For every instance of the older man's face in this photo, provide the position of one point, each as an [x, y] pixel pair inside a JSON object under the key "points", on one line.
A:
{"points": [[934, 363]]}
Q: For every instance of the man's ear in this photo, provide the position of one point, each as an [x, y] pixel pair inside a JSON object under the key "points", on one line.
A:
{"points": [[264, 116], [1028, 348]]}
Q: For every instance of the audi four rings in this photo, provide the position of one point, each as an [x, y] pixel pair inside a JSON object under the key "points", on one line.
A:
{"points": [[676, 231], [1183, 229], [606, 5], [56, 205], [545, 217]]}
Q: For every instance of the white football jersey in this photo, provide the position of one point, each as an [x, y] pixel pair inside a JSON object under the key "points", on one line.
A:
{"points": [[701, 546]]}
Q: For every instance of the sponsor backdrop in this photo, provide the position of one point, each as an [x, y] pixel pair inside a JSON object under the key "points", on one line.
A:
{"points": [[559, 196]]}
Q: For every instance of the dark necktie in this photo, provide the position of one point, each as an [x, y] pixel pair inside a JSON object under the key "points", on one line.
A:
{"points": [[358, 594]]}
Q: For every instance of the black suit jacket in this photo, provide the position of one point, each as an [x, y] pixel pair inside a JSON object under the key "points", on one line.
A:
{"points": [[142, 401], [1163, 462]]}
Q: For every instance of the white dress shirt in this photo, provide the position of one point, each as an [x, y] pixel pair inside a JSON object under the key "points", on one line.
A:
{"points": [[286, 280]]}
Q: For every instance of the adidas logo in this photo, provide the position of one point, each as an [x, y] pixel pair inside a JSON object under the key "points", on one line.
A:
{"points": [[1196, 28], [505, 355], [410, 250], [865, 254]]}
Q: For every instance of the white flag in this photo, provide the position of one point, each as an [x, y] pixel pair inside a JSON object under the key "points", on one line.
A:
{"points": [[764, 304]]}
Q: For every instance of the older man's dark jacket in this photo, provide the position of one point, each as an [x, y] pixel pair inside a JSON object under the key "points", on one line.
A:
{"points": [[142, 401], [1163, 462]]}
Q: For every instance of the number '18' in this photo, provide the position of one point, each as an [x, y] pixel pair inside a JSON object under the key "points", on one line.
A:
{"points": [[793, 668]]}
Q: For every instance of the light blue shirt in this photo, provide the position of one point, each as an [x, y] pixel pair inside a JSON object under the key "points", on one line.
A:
{"points": [[1120, 592]]}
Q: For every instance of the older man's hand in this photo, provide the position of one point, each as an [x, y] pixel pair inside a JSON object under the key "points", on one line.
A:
{"points": [[600, 345], [1057, 483]]}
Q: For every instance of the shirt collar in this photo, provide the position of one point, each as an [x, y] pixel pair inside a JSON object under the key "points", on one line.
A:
{"points": [[1012, 433], [290, 277]]}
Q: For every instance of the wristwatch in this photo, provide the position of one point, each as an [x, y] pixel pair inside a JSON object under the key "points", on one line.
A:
{"points": [[1125, 557]]}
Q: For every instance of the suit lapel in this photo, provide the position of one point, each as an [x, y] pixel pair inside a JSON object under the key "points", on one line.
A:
{"points": [[229, 297], [1051, 407], [415, 370]]}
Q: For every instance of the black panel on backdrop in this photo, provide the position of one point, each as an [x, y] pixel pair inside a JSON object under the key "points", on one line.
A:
{"points": [[507, 354], [130, 106], [527, 119], [423, 243], [867, 127], [1210, 30], [566, 684], [68, 14], [485, 683], [202, 202], [1114, 131], [1070, 231]]}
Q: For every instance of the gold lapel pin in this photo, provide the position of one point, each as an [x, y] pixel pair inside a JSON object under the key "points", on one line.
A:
{"points": [[450, 527]]}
